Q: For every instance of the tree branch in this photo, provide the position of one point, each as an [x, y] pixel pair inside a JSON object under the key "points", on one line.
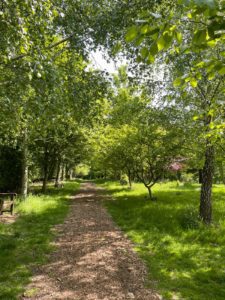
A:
{"points": [[47, 48]]}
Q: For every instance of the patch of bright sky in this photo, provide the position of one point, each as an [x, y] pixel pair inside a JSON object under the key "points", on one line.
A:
{"points": [[102, 62]]}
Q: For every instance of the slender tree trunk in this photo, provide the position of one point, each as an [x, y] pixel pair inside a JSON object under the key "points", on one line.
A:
{"points": [[129, 179], [57, 180], [52, 167], [24, 177], [205, 211], [71, 174], [63, 173], [149, 192], [45, 178]]}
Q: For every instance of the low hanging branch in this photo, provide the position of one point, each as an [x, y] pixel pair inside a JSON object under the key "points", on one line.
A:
{"points": [[13, 59]]}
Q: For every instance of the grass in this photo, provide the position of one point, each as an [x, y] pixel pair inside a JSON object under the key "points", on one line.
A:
{"points": [[185, 259], [27, 242]]}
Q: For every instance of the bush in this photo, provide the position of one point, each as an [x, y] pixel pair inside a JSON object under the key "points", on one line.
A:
{"points": [[188, 177]]}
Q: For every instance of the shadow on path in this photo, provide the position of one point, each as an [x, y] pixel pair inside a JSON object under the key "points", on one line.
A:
{"points": [[92, 259]]}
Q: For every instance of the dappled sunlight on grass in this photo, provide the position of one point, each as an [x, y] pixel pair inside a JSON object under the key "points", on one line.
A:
{"points": [[25, 243], [185, 258]]}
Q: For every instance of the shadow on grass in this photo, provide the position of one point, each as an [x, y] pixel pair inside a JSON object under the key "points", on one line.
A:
{"points": [[25, 243], [185, 259]]}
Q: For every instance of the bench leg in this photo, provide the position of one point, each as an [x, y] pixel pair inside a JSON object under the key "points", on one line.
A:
{"points": [[11, 209], [1, 206]]}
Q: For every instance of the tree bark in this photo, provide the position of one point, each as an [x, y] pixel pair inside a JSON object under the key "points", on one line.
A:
{"points": [[45, 177], [205, 210], [129, 179], [24, 177], [63, 172], [149, 192], [71, 174], [57, 180]]}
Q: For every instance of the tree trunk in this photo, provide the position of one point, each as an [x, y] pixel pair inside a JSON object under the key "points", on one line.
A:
{"points": [[52, 167], [129, 179], [24, 177], [149, 192], [45, 178], [71, 174], [57, 180], [63, 173], [205, 211]]}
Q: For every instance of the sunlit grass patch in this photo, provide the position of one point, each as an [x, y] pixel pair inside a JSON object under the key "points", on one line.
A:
{"points": [[185, 258], [26, 243]]}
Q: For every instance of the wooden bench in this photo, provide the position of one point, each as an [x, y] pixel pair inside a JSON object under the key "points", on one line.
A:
{"points": [[7, 202]]}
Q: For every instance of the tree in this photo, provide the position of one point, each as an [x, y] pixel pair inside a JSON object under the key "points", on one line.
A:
{"points": [[190, 29]]}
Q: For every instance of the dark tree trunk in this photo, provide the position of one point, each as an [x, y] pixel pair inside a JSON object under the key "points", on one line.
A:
{"points": [[149, 192], [24, 177], [206, 188], [51, 169], [45, 171]]}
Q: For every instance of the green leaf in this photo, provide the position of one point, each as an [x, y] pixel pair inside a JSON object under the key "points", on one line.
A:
{"points": [[211, 75], [177, 82], [201, 64], [211, 43], [139, 40], [131, 34], [179, 37], [145, 29], [161, 43], [222, 71], [199, 37], [153, 49], [144, 52], [116, 48], [150, 59], [193, 82], [168, 37]]}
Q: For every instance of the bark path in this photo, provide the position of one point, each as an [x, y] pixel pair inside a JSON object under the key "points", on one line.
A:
{"points": [[93, 260]]}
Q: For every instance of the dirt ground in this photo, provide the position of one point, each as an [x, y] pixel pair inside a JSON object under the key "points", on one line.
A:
{"points": [[6, 218], [93, 260]]}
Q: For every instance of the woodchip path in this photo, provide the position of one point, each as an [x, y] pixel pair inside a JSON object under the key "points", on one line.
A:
{"points": [[93, 260]]}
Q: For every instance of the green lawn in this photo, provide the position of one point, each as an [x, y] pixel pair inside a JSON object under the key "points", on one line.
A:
{"points": [[185, 260], [26, 243]]}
